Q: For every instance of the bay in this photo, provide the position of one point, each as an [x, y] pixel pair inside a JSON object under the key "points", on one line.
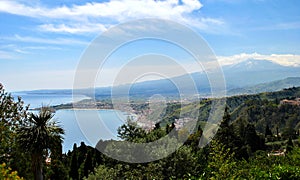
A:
{"points": [[88, 126]]}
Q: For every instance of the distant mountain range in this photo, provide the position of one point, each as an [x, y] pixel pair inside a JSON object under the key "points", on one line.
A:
{"points": [[250, 76], [252, 72], [267, 87]]}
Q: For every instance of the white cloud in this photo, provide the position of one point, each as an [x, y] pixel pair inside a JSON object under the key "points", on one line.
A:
{"points": [[56, 41], [74, 29], [117, 9], [282, 59], [21, 51], [12, 51], [94, 16], [42, 48]]}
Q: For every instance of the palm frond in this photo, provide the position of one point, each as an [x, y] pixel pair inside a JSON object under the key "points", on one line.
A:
{"points": [[42, 132]]}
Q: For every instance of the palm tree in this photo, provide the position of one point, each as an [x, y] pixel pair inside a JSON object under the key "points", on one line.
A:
{"points": [[38, 137]]}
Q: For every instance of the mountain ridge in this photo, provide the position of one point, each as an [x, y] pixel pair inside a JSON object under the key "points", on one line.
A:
{"points": [[245, 77]]}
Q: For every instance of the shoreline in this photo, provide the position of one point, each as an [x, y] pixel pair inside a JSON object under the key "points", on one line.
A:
{"points": [[126, 113]]}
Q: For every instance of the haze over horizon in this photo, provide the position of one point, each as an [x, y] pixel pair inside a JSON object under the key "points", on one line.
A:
{"points": [[42, 40]]}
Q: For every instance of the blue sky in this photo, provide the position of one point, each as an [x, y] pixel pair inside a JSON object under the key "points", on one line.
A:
{"points": [[41, 41]]}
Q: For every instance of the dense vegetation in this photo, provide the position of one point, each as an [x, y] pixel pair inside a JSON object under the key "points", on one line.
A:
{"points": [[252, 129], [27, 139], [259, 109]]}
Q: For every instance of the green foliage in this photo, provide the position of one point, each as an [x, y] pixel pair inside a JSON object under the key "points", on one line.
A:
{"points": [[57, 171], [252, 140], [88, 166], [263, 167], [289, 145], [268, 131], [237, 152], [38, 136], [74, 164], [82, 161], [13, 115], [130, 131], [225, 132], [103, 172], [194, 138], [180, 164], [7, 173], [41, 133], [261, 110], [221, 164]]}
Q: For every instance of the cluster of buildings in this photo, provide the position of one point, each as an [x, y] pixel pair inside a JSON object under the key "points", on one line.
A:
{"points": [[277, 153], [179, 123], [295, 102]]}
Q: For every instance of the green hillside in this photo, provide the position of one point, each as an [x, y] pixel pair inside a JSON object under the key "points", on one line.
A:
{"points": [[268, 87], [259, 109]]}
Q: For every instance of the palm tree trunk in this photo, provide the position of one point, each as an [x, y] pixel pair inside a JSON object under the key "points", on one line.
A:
{"points": [[37, 166]]}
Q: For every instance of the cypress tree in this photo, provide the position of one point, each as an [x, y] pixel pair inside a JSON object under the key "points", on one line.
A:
{"points": [[251, 138], [74, 164], [226, 135], [289, 145], [225, 132], [88, 166], [268, 131]]}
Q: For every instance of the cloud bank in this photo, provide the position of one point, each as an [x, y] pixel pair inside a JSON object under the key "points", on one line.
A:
{"points": [[98, 16], [282, 59]]}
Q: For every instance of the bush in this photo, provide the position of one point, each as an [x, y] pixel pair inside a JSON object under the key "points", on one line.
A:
{"points": [[7, 173]]}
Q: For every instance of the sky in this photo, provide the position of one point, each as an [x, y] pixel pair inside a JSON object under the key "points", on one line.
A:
{"points": [[42, 41]]}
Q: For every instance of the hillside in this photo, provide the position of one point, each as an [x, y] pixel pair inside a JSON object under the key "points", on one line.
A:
{"points": [[259, 109], [267, 87]]}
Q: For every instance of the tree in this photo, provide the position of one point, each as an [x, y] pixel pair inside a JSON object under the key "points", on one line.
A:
{"points": [[57, 170], [13, 114], [289, 145], [88, 166], [6, 173], [81, 156], [130, 131], [180, 163], [74, 164], [171, 130], [104, 172], [194, 138], [251, 138], [38, 137], [157, 125], [268, 132], [225, 132], [221, 163], [226, 135]]}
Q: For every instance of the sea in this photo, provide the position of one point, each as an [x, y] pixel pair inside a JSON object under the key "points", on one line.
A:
{"points": [[88, 126]]}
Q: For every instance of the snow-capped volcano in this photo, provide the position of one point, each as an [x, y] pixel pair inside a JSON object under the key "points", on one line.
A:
{"points": [[254, 65]]}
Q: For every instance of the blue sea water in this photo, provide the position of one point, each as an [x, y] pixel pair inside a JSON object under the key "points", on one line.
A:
{"points": [[88, 126], [38, 100]]}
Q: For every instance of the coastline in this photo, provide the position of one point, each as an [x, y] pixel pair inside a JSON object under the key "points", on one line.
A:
{"points": [[131, 115]]}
